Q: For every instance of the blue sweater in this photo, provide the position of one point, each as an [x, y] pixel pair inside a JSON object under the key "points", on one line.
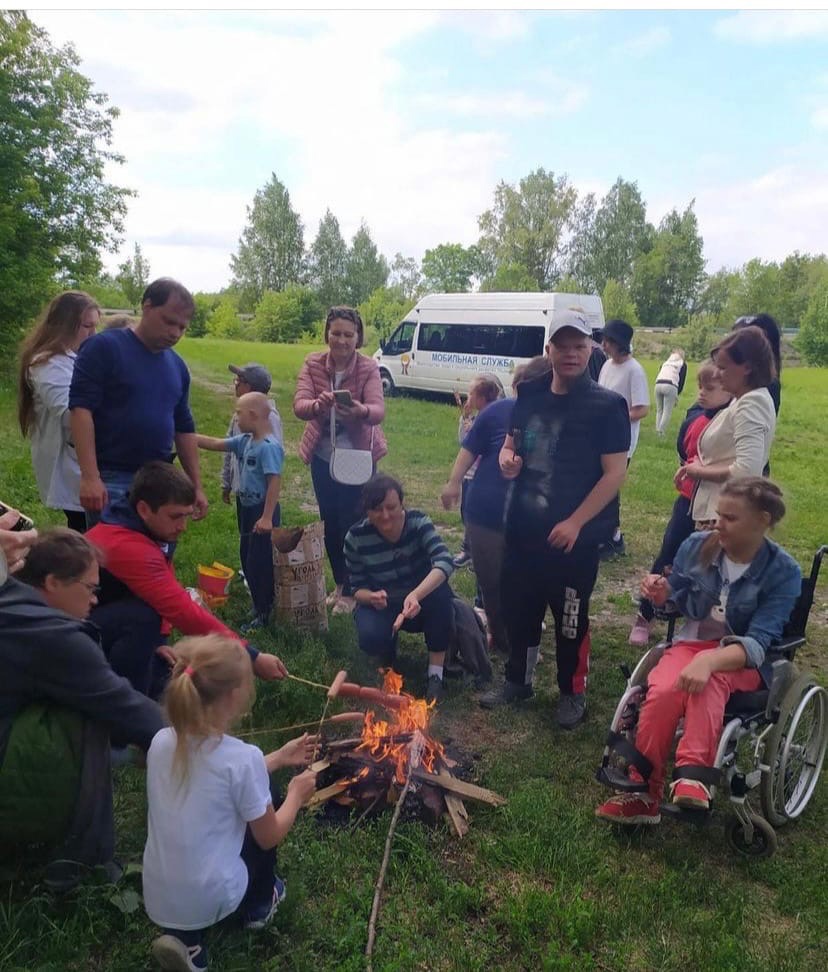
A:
{"points": [[138, 398]]}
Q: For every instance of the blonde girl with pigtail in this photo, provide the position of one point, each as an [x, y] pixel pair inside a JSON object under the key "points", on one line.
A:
{"points": [[213, 829]]}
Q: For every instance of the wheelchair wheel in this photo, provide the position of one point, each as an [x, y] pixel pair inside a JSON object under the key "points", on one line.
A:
{"points": [[795, 751], [763, 843]]}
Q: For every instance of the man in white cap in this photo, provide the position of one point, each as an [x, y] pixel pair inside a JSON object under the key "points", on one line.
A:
{"points": [[251, 377], [567, 457]]}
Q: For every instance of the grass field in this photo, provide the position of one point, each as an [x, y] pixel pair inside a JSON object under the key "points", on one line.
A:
{"points": [[537, 884]]}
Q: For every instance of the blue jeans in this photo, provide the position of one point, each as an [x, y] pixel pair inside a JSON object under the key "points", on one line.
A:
{"points": [[256, 555], [436, 620], [117, 482]]}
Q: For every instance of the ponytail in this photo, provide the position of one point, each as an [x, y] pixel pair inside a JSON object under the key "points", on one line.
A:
{"points": [[206, 670]]}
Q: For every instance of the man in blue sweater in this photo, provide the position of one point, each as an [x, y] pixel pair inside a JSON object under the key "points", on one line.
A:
{"points": [[129, 400]]}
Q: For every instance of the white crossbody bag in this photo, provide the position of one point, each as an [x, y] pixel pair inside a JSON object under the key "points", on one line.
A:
{"points": [[351, 467]]}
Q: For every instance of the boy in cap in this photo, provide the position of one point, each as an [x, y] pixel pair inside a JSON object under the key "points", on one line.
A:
{"points": [[621, 373], [248, 378]]}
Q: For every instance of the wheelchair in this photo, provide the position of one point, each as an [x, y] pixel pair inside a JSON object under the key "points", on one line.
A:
{"points": [[773, 740]]}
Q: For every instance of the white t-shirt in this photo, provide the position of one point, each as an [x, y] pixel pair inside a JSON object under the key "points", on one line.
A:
{"points": [[714, 627], [630, 382], [193, 872]]}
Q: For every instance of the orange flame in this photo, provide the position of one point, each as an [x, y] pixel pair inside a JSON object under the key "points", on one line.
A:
{"points": [[411, 717]]}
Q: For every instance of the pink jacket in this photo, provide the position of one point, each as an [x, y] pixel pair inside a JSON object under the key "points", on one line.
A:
{"points": [[362, 380]]}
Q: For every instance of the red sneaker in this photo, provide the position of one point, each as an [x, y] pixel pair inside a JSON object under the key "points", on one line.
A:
{"points": [[690, 793], [630, 809]]}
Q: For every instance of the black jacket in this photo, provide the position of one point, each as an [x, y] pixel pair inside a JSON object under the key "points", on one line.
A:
{"points": [[48, 656]]}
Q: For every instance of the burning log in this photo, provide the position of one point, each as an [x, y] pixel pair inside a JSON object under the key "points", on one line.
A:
{"points": [[460, 787]]}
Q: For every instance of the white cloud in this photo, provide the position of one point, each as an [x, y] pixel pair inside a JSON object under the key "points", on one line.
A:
{"points": [[782, 210], [647, 42], [773, 26]]}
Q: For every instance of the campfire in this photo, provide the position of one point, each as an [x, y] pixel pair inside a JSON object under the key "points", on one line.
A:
{"points": [[392, 757]]}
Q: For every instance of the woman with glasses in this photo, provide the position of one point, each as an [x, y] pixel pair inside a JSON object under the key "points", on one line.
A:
{"points": [[59, 701], [343, 384], [738, 440], [47, 360]]}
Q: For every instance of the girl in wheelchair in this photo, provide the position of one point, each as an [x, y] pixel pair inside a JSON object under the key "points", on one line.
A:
{"points": [[736, 590]]}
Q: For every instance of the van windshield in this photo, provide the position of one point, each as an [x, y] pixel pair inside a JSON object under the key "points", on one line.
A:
{"points": [[502, 340]]}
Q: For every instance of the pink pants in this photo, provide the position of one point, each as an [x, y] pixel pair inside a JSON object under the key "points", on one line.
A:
{"points": [[703, 712]]}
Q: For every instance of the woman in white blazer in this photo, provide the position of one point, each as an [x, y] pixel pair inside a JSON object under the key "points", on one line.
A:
{"points": [[738, 440], [47, 359]]}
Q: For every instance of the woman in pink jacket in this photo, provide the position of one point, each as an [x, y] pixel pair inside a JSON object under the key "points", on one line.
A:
{"points": [[339, 369]]}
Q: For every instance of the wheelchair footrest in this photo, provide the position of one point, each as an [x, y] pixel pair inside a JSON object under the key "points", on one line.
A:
{"points": [[616, 780], [699, 818]]}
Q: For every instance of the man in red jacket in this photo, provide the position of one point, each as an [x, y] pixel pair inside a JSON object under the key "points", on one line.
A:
{"points": [[141, 600]]}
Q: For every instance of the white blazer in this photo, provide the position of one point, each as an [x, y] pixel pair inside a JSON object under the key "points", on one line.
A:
{"points": [[741, 435]]}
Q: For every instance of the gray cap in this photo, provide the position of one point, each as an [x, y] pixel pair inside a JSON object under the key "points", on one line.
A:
{"points": [[570, 318], [255, 375]]}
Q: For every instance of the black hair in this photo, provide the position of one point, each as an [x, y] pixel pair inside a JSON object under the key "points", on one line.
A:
{"points": [[373, 492], [159, 292], [158, 483], [770, 329]]}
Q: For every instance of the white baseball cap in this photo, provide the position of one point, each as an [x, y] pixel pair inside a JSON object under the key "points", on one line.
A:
{"points": [[573, 319]]}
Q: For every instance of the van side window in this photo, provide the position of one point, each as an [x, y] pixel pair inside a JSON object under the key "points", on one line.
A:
{"points": [[502, 340], [401, 339]]}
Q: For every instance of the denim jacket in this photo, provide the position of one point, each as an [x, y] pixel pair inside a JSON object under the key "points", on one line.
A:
{"points": [[759, 603]]}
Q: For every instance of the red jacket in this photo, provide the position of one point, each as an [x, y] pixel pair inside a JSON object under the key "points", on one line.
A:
{"points": [[139, 563], [691, 450], [362, 380]]}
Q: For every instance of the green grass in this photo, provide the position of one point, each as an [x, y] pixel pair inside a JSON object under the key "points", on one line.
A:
{"points": [[536, 885]]}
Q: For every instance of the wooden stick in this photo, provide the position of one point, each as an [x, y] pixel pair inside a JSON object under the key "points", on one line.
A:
{"points": [[306, 681], [415, 753], [327, 792], [460, 787], [457, 814], [340, 717]]}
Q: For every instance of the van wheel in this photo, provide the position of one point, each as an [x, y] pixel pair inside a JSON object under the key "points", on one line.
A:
{"points": [[389, 389]]}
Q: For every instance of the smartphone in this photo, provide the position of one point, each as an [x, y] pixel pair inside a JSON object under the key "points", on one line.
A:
{"points": [[23, 523], [343, 397]]}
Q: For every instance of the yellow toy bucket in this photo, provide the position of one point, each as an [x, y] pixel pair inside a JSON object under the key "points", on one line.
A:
{"points": [[214, 581]]}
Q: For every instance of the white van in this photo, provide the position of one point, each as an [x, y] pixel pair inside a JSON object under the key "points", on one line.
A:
{"points": [[447, 339]]}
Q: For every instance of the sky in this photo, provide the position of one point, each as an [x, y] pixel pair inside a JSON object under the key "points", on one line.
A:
{"points": [[408, 120]]}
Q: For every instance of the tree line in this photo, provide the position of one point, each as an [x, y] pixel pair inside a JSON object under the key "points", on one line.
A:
{"points": [[59, 214]]}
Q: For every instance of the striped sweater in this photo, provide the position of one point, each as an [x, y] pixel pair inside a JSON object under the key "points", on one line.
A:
{"points": [[375, 564]]}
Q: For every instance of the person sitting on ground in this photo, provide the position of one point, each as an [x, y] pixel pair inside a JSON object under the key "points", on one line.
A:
{"points": [[669, 385], [260, 458], [251, 377], [736, 589], [712, 399], [141, 600], [398, 566], [214, 818], [59, 702]]}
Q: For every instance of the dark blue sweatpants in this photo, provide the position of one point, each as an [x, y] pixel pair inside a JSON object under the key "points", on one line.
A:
{"points": [[256, 555]]}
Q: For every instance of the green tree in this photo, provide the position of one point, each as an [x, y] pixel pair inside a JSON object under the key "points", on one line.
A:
{"points": [[697, 337], [666, 280], [271, 248], [755, 291], [569, 285], [579, 263], [282, 317], [105, 289], [619, 234], [224, 322], [716, 293], [405, 275], [205, 304], [618, 302], [383, 311], [449, 268], [133, 277], [509, 278], [813, 332], [366, 269], [328, 261], [527, 226], [57, 209]]}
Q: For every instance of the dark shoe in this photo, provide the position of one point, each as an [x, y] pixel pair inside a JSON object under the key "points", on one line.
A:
{"points": [[612, 549], [571, 710], [260, 917], [174, 956], [505, 695], [62, 876], [435, 690], [462, 559]]}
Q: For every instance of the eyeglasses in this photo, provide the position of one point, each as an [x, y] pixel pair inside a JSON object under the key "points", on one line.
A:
{"points": [[92, 588]]}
